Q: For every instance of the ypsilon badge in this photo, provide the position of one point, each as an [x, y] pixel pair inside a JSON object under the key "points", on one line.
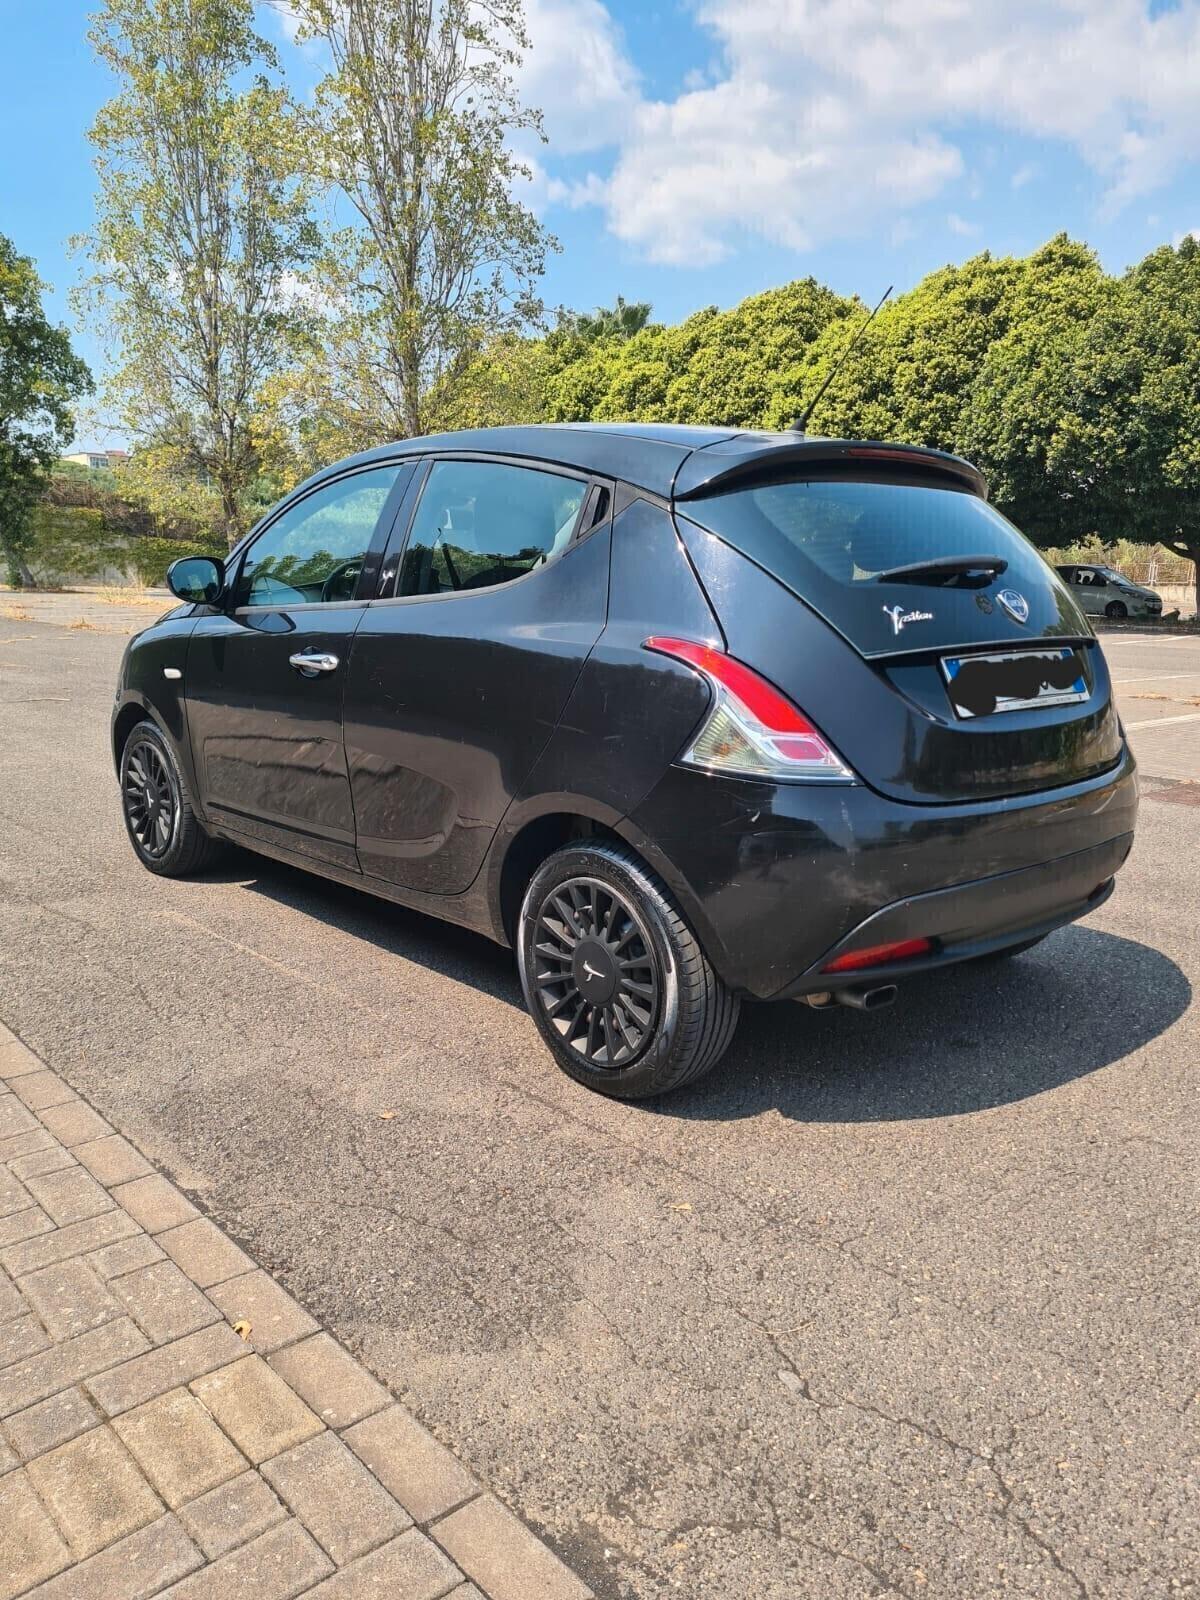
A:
{"points": [[900, 617]]}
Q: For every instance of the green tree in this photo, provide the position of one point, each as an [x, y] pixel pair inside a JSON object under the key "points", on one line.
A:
{"points": [[201, 230], [40, 376], [1133, 431], [746, 367], [413, 125], [619, 321]]}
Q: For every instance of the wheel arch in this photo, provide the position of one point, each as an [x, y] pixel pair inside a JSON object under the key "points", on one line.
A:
{"points": [[135, 708], [535, 833], [538, 828], [126, 719]]}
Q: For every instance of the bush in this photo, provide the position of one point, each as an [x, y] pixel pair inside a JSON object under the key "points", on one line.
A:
{"points": [[150, 558], [75, 544], [72, 542]]}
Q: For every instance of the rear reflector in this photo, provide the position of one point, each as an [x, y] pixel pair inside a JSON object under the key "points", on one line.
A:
{"points": [[876, 955]]}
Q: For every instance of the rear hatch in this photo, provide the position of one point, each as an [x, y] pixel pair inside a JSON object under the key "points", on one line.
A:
{"points": [[973, 673]]}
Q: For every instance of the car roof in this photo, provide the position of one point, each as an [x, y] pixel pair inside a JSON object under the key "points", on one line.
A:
{"points": [[667, 459]]}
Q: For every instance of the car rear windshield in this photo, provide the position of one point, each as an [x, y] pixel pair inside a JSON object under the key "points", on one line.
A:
{"points": [[829, 540]]}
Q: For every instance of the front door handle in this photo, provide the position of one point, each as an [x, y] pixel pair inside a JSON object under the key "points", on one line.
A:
{"points": [[312, 661]]}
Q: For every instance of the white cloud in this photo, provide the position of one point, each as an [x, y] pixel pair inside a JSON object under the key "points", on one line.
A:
{"points": [[960, 226], [577, 73], [826, 117], [1023, 175]]}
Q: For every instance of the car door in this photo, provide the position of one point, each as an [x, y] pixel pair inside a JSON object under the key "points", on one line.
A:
{"points": [[266, 673], [1088, 590], [458, 680]]}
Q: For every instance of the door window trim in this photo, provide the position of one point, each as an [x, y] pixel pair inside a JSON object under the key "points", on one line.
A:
{"points": [[382, 527], [397, 548]]}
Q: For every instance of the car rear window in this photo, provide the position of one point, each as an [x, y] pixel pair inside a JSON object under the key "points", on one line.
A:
{"points": [[849, 532], [829, 539]]}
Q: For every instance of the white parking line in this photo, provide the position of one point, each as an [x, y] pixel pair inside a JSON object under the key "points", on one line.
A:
{"points": [[1162, 722], [1158, 677], [1108, 640]]}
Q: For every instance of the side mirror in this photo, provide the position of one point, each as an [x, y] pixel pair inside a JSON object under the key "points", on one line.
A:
{"points": [[198, 579]]}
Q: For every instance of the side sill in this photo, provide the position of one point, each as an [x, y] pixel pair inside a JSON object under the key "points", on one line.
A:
{"points": [[465, 910]]}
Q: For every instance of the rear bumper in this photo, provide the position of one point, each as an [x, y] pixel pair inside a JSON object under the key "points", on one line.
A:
{"points": [[777, 879], [973, 919]]}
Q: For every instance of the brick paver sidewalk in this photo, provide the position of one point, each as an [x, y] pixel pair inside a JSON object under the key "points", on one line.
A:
{"points": [[148, 1448]]}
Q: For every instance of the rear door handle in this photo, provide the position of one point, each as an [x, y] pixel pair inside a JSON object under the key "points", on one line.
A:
{"points": [[311, 661]]}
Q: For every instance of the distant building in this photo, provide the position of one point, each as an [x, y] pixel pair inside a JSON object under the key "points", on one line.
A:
{"points": [[100, 460]]}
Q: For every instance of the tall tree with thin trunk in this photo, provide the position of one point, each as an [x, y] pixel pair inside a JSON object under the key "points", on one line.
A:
{"points": [[202, 229], [413, 125], [40, 375]]}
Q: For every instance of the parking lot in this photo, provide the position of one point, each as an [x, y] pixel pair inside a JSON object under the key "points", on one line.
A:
{"points": [[892, 1303]]}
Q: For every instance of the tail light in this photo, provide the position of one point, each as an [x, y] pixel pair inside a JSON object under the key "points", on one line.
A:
{"points": [[877, 955], [751, 730]]}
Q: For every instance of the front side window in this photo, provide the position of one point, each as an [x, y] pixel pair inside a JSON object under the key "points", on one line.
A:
{"points": [[313, 553], [482, 523]]}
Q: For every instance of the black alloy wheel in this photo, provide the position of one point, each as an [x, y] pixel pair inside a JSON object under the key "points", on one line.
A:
{"points": [[161, 821], [150, 798], [618, 985], [596, 974], [1116, 609]]}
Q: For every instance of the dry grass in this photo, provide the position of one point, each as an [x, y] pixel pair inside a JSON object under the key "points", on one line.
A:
{"points": [[82, 625], [16, 614], [131, 594]]}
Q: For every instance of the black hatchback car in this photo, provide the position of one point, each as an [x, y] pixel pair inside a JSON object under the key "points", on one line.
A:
{"points": [[685, 715]]}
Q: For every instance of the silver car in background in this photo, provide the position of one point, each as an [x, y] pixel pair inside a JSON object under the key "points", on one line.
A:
{"points": [[1101, 592]]}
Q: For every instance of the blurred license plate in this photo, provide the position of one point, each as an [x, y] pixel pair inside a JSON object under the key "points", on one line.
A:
{"points": [[1016, 681]]}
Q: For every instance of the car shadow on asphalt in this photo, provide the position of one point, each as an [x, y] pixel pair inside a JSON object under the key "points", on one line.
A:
{"points": [[968, 1039], [441, 947]]}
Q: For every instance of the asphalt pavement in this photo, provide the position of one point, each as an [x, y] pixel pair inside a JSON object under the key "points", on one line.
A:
{"points": [[892, 1303]]}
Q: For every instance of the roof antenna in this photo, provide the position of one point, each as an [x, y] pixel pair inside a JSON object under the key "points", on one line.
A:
{"points": [[801, 422]]}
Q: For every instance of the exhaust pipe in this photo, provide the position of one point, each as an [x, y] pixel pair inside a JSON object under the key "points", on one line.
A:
{"points": [[867, 999]]}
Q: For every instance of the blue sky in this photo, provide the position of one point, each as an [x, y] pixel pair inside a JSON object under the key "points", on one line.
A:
{"points": [[700, 150]]}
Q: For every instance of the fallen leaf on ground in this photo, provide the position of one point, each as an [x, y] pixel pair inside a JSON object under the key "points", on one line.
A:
{"points": [[242, 1329], [386, 1116], [682, 1206]]}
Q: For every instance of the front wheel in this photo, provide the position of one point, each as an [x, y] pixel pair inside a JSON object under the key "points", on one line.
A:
{"points": [[162, 825], [616, 981], [1116, 609]]}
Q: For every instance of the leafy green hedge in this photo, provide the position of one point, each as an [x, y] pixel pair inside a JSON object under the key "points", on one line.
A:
{"points": [[150, 558], [75, 544]]}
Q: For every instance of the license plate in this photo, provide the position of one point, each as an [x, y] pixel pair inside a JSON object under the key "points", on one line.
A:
{"points": [[1017, 681]]}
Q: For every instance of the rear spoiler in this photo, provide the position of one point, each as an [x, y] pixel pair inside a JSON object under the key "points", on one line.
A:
{"points": [[747, 456]]}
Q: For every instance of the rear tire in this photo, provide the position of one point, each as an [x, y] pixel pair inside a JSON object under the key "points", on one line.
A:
{"points": [[1116, 610], [164, 830], [616, 981]]}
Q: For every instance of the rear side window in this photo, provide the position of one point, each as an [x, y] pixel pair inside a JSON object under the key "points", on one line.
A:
{"points": [[482, 523]]}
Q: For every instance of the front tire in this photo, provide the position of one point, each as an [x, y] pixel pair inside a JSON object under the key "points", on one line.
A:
{"points": [[616, 981], [163, 828], [1116, 610]]}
